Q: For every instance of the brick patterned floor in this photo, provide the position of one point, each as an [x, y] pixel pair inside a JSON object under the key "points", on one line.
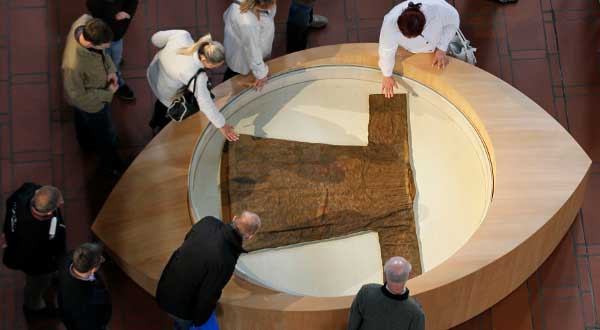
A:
{"points": [[548, 49]]}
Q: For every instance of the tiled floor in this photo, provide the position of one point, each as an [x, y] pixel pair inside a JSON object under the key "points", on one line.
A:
{"points": [[549, 49]]}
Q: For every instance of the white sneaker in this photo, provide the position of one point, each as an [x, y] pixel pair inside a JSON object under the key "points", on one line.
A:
{"points": [[319, 22]]}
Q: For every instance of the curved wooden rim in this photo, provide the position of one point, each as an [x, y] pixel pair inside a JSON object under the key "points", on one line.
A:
{"points": [[539, 170]]}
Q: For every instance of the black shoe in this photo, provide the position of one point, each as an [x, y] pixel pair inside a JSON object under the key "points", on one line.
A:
{"points": [[125, 93]]}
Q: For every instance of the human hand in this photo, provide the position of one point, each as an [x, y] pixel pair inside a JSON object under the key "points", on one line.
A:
{"points": [[229, 133], [260, 83], [440, 60], [112, 78], [387, 86], [122, 15], [113, 87]]}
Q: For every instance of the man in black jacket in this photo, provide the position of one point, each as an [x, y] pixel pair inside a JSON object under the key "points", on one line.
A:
{"points": [[192, 281], [117, 14], [35, 238], [83, 299]]}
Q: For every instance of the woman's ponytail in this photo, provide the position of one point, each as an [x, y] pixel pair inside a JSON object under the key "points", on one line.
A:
{"points": [[212, 50]]}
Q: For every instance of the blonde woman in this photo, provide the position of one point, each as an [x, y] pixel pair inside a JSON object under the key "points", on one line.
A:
{"points": [[174, 65], [249, 33]]}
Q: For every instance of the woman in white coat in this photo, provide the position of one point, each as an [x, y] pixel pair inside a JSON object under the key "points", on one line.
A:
{"points": [[249, 33], [426, 26], [174, 65]]}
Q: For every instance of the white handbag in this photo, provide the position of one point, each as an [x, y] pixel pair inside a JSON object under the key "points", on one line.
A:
{"points": [[461, 48]]}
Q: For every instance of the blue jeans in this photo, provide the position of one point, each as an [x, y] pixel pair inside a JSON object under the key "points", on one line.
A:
{"points": [[181, 324], [298, 22], [115, 51]]}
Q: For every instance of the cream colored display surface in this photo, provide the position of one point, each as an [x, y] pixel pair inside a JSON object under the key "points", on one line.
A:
{"points": [[329, 104]]}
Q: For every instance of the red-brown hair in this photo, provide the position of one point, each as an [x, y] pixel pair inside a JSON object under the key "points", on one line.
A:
{"points": [[412, 21]]}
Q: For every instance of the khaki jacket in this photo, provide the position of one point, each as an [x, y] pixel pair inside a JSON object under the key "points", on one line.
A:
{"points": [[85, 73]]}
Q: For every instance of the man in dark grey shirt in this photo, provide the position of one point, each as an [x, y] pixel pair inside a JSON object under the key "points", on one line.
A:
{"points": [[387, 306]]}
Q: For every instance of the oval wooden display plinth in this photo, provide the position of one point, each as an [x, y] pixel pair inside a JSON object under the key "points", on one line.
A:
{"points": [[540, 174]]}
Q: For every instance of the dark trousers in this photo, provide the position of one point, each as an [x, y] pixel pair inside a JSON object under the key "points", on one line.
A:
{"points": [[97, 130], [299, 19], [229, 74], [159, 117]]}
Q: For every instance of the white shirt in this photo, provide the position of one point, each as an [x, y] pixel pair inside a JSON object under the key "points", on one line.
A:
{"points": [[170, 71], [248, 40], [441, 24]]}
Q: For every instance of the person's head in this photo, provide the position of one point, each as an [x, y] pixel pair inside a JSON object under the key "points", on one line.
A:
{"points": [[252, 5], [210, 52], [97, 34], [46, 201], [87, 258], [396, 271], [412, 21], [248, 223]]}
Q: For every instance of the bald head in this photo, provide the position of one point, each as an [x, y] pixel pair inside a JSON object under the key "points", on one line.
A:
{"points": [[47, 199], [397, 270], [248, 224]]}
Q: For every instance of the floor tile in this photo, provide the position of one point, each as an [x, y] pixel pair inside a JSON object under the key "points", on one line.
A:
{"points": [[525, 26], [583, 122], [24, 45], [513, 313], [39, 172], [30, 113], [4, 98], [538, 89], [560, 5], [562, 313], [131, 119], [578, 66], [172, 17]]}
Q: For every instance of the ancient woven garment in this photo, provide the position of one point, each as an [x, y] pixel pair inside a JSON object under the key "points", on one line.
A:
{"points": [[309, 191]]}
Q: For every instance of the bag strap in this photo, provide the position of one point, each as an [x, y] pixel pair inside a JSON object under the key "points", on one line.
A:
{"points": [[194, 78]]}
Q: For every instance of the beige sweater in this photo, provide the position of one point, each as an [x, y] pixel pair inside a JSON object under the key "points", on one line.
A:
{"points": [[85, 73]]}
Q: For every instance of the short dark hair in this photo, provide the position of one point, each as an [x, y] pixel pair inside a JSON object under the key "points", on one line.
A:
{"points": [[412, 21], [97, 32], [87, 256]]}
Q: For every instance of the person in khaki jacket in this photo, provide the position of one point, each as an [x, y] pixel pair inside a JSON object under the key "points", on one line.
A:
{"points": [[90, 81]]}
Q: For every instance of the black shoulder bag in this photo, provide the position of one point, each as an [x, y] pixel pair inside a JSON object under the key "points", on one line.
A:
{"points": [[184, 103]]}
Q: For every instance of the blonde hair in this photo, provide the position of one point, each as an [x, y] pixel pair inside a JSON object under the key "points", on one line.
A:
{"points": [[250, 4], [212, 50]]}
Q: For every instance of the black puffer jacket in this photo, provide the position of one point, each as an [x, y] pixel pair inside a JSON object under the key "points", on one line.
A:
{"points": [[192, 282]]}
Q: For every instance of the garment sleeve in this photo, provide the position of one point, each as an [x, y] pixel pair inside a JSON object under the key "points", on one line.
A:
{"points": [[95, 7], [207, 296], [355, 319], [418, 323], [129, 6], [80, 96], [250, 38], [450, 23], [160, 38], [205, 102], [388, 45], [109, 64]]}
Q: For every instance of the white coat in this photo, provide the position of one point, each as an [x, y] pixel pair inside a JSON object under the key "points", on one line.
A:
{"points": [[441, 24], [169, 72], [248, 40]]}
